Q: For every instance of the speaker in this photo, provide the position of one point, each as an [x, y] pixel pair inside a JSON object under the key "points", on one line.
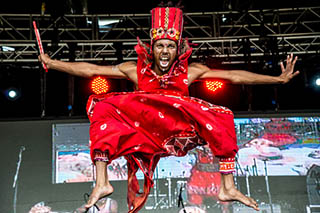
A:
{"points": [[313, 185]]}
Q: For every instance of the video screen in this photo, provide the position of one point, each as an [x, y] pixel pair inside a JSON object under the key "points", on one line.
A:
{"points": [[286, 146], [278, 146]]}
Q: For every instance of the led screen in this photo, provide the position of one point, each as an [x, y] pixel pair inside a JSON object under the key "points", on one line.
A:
{"points": [[274, 146]]}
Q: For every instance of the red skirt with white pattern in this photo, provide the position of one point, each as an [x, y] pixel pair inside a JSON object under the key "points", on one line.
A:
{"points": [[144, 126]]}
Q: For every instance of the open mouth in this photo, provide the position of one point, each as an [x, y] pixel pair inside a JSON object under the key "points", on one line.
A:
{"points": [[164, 62]]}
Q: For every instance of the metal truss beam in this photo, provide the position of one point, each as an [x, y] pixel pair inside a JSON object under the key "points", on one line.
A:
{"points": [[224, 47], [227, 35]]}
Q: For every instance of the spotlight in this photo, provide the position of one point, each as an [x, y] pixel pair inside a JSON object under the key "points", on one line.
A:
{"points": [[99, 85], [214, 85], [223, 18], [318, 81], [7, 49], [12, 94]]}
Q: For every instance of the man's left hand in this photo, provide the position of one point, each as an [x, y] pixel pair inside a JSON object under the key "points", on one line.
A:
{"points": [[288, 71]]}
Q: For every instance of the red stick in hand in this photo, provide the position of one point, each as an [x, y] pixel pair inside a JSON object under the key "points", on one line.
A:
{"points": [[36, 31]]}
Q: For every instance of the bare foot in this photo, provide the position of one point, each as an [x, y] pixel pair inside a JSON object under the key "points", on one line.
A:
{"points": [[234, 194], [97, 193]]}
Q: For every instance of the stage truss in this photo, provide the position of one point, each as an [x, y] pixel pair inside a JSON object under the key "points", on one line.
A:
{"points": [[231, 36]]}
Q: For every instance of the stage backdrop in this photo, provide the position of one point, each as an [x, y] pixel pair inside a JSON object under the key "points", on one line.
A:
{"points": [[56, 170]]}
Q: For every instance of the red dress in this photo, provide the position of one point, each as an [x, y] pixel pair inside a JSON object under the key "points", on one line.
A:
{"points": [[157, 120], [204, 181]]}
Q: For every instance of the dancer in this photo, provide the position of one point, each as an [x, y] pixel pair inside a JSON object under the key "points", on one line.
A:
{"points": [[159, 118]]}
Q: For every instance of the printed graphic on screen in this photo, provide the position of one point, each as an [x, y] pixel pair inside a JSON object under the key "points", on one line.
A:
{"points": [[76, 166], [278, 146]]}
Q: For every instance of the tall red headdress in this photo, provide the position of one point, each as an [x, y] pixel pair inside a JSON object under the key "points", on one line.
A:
{"points": [[167, 23]]}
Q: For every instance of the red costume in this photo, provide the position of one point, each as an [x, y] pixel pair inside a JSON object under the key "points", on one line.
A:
{"points": [[159, 119], [205, 179]]}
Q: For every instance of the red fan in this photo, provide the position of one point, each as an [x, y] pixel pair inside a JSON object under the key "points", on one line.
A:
{"points": [[36, 31]]}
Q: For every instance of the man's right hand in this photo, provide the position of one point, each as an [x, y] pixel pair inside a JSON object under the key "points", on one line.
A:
{"points": [[45, 58]]}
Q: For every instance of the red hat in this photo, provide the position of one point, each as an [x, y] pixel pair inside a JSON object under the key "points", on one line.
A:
{"points": [[167, 23]]}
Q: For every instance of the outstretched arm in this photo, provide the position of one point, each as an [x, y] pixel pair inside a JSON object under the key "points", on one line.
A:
{"points": [[84, 69], [198, 71]]}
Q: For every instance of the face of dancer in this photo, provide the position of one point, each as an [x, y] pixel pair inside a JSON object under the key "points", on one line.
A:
{"points": [[165, 53]]}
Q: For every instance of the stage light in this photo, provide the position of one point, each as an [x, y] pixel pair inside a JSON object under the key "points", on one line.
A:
{"points": [[7, 49], [318, 81], [106, 22], [214, 85], [223, 18], [12, 94], [99, 85]]}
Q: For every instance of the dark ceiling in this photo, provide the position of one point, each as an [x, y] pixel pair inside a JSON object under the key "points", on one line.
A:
{"points": [[101, 7]]}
